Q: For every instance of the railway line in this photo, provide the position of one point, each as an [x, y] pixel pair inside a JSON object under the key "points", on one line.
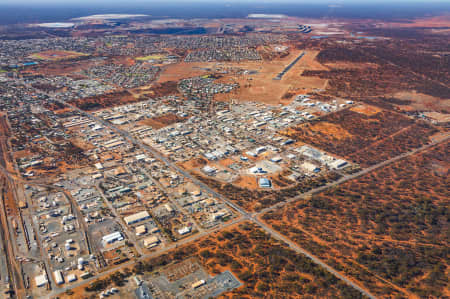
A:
{"points": [[13, 267], [244, 215]]}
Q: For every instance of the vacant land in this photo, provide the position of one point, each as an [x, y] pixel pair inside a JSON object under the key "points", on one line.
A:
{"points": [[386, 66], [267, 268], [414, 101], [157, 90], [112, 99], [182, 70], [162, 120], [253, 200], [258, 86], [149, 57], [388, 229], [69, 68], [52, 55], [261, 87], [365, 135]]}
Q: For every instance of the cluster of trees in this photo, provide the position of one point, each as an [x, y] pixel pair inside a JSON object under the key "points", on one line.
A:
{"points": [[73, 152], [417, 61], [273, 269], [420, 269], [265, 266], [47, 87], [342, 53], [257, 200], [333, 253], [117, 278], [364, 146], [164, 89], [400, 207], [367, 82], [242, 196], [413, 137], [407, 56], [53, 105], [104, 101]]}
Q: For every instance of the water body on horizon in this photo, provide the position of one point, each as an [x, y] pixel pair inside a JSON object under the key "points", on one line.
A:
{"points": [[34, 13]]}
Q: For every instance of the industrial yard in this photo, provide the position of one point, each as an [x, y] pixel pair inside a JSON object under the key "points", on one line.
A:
{"points": [[241, 163]]}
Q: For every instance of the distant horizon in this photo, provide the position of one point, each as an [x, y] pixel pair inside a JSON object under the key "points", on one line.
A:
{"points": [[146, 2], [34, 11]]}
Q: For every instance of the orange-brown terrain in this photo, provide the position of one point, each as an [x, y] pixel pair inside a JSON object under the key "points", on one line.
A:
{"points": [[54, 55], [66, 156], [260, 86], [111, 99], [68, 68], [388, 229], [126, 96], [363, 134], [268, 268], [414, 101], [162, 89], [60, 154], [431, 22], [162, 120], [181, 70], [254, 200], [377, 71]]}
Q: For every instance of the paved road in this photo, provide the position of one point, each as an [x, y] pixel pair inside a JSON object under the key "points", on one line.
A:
{"points": [[280, 75], [315, 259], [351, 176], [245, 215], [155, 153], [60, 290]]}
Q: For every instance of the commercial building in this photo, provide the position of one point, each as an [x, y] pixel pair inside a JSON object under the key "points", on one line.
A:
{"points": [[135, 218], [71, 277], [198, 284], [265, 183], [219, 214], [41, 280], [59, 279], [276, 159], [140, 230], [151, 241], [310, 167], [111, 238], [209, 170], [337, 164], [184, 230]]}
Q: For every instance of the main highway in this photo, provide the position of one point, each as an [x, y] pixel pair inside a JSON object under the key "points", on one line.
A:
{"points": [[244, 215]]}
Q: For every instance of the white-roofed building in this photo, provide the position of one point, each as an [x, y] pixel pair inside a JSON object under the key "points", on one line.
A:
{"points": [[71, 278], [135, 218], [59, 279], [151, 241], [41, 280], [112, 238]]}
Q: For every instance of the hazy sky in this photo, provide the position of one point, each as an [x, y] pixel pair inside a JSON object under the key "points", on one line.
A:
{"points": [[34, 11], [149, 2]]}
